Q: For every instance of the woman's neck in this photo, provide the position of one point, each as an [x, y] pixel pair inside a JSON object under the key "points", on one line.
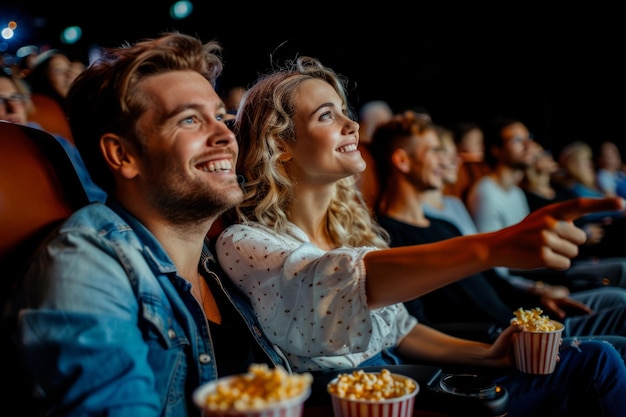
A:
{"points": [[309, 211]]}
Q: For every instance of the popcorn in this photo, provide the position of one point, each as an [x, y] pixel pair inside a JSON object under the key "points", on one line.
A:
{"points": [[533, 320], [360, 385], [257, 389]]}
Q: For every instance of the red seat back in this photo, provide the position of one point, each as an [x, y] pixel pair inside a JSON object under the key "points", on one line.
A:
{"points": [[38, 189], [50, 116]]}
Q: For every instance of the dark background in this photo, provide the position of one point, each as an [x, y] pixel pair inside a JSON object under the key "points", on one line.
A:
{"points": [[560, 69]]}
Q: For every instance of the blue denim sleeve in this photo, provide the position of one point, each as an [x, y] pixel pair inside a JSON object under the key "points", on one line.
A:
{"points": [[79, 333]]}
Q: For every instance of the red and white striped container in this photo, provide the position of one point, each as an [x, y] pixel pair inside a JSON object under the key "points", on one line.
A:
{"points": [[392, 407], [536, 352]]}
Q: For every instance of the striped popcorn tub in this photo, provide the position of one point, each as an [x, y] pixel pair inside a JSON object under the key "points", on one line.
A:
{"points": [[536, 352], [396, 406]]}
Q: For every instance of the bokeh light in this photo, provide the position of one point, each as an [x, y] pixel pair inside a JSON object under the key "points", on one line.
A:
{"points": [[181, 9], [7, 33], [71, 35]]}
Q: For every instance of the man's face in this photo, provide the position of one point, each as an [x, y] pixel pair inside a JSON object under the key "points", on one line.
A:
{"points": [[426, 162], [451, 161], [188, 166], [515, 151]]}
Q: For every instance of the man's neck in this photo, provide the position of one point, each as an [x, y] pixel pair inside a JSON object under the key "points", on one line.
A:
{"points": [[404, 204], [507, 177], [433, 197]]}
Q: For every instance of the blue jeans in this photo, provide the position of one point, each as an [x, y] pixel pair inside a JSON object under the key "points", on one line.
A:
{"points": [[385, 357], [590, 380]]}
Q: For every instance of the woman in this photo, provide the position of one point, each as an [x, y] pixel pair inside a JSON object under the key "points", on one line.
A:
{"points": [[325, 285], [52, 76], [577, 176]]}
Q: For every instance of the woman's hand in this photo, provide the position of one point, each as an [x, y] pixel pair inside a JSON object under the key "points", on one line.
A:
{"points": [[501, 353], [547, 237]]}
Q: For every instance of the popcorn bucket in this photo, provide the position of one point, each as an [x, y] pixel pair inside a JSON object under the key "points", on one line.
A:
{"points": [[290, 407], [262, 392], [391, 407], [536, 352]]}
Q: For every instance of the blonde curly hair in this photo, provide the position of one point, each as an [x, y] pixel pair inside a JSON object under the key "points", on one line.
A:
{"points": [[264, 127]]}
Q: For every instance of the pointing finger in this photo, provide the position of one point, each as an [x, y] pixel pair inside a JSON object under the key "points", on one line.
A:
{"points": [[577, 207]]}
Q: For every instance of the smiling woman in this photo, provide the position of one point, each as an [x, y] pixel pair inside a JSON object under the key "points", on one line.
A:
{"points": [[318, 270]]}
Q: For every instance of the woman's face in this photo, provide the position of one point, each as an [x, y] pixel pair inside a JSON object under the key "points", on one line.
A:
{"points": [[580, 166], [13, 106], [324, 149], [610, 157], [473, 142], [60, 74]]}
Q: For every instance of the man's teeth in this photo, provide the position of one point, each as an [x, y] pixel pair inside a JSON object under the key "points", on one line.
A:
{"points": [[214, 166], [348, 148]]}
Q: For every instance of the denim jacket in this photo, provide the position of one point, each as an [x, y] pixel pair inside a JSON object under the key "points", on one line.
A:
{"points": [[110, 328]]}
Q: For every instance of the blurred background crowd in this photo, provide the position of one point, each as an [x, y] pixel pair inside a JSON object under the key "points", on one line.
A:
{"points": [[559, 69]]}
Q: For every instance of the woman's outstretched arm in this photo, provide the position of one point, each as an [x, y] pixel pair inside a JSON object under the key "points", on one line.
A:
{"points": [[545, 238]]}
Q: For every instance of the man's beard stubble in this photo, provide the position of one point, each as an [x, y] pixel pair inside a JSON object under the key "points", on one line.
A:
{"points": [[183, 202]]}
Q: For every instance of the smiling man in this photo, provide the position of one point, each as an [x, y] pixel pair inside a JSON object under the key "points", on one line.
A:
{"points": [[125, 311]]}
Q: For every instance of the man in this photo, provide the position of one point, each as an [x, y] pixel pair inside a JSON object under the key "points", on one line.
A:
{"points": [[125, 312], [497, 201], [411, 156]]}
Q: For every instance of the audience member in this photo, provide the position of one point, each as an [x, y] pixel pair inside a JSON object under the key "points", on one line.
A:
{"points": [[15, 103], [124, 309], [434, 200], [371, 114], [232, 97], [577, 172], [540, 189], [610, 170], [16, 106], [577, 176], [52, 76], [325, 285], [49, 81], [77, 66], [476, 306], [498, 201], [469, 139], [537, 181]]}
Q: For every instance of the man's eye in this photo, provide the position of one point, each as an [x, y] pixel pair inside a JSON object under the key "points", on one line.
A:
{"points": [[188, 120]]}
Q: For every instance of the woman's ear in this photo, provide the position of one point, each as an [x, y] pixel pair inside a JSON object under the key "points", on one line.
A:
{"points": [[285, 154], [400, 160], [284, 157], [118, 156]]}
